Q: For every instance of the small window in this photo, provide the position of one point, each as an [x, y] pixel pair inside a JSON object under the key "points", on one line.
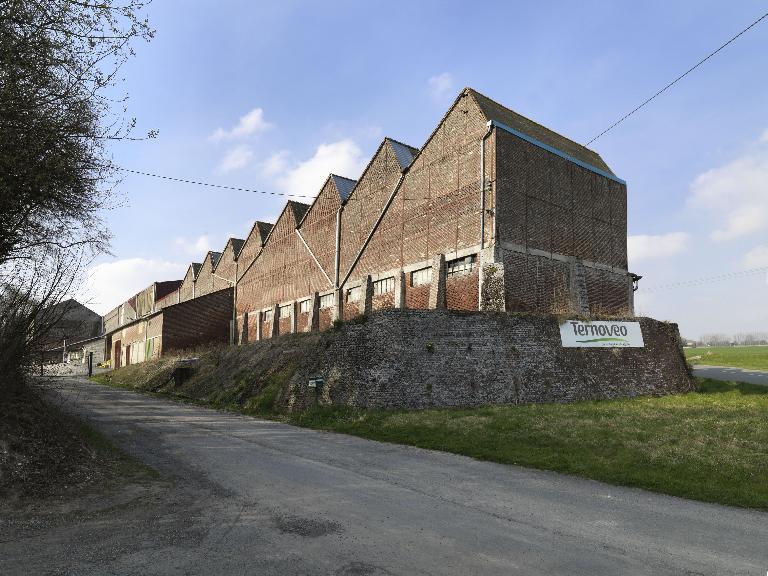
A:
{"points": [[421, 277], [268, 315], [384, 285], [285, 311], [460, 267], [305, 306], [353, 294], [326, 301]]}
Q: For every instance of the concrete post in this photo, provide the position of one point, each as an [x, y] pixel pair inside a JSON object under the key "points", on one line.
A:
{"points": [[579, 303], [314, 315], [294, 310], [492, 289], [400, 290], [338, 305], [630, 296], [437, 288], [275, 321], [244, 331], [259, 320], [367, 306]]}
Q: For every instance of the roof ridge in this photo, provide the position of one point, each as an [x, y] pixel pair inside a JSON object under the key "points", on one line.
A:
{"points": [[396, 141], [536, 130]]}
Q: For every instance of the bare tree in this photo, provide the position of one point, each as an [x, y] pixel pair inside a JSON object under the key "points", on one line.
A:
{"points": [[60, 62]]}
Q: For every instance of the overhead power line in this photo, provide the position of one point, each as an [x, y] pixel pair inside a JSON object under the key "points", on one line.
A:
{"points": [[185, 181], [708, 279], [676, 80]]}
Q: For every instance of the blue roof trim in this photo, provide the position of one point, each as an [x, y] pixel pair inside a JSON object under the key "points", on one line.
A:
{"points": [[560, 153]]}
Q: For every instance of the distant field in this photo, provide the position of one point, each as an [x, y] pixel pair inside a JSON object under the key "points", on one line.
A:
{"points": [[751, 357]]}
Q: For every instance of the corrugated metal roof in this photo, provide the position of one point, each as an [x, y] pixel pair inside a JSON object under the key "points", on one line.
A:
{"points": [[344, 186], [403, 152]]}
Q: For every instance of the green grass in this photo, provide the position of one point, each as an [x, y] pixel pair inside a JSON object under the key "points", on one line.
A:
{"points": [[708, 445], [751, 357]]}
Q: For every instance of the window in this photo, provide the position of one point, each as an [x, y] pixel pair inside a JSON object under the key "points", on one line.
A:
{"points": [[421, 277], [460, 267], [353, 294], [326, 301], [305, 306], [285, 311], [384, 285], [268, 315]]}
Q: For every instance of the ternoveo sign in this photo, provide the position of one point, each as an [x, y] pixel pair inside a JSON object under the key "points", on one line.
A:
{"points": [[601, 334]]}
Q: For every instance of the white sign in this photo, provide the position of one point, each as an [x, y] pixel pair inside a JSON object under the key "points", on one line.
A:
{"points": [[601, 334]]}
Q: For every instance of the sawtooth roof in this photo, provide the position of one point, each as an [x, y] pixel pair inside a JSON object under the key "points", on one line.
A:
{"points": [[344, 186], [404, 153]]}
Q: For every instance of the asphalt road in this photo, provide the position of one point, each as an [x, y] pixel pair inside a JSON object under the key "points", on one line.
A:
{"points": [[276, 499], [734, 374]]}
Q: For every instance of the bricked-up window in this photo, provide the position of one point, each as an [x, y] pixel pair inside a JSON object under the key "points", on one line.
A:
{"points": [[421, 277], [268, 315], [326, 301], [305, 306], [460, 267], [285, 311], [383, 286], [353, 294]]}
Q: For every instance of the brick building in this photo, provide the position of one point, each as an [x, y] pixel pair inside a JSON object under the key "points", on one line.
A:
{"points": [[157, 320], [494, 212]]}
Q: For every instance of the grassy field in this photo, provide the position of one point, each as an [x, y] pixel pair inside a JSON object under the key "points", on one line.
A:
{"points": [[752, 357], [708, 445]]}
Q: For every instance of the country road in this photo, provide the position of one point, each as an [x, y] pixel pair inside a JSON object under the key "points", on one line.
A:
{"points": [[276, 499], [731, 374]]}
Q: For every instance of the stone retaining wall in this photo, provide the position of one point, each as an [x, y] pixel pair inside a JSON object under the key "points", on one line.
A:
{"points": [[423, 358]]}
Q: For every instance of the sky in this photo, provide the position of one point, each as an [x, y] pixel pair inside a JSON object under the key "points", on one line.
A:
{"points": [[274, 96]]}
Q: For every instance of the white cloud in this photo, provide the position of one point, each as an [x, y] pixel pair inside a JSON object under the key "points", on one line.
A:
{"points": [[249, 124], [343, 158], [236, 158], [764, 136], [757, 257], [197, 247], [276, 163], [647, 247], [111, 283], [441, 85], [735, 194]]}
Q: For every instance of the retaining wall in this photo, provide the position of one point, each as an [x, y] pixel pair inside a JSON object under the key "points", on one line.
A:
{"points": [[423, 358]]}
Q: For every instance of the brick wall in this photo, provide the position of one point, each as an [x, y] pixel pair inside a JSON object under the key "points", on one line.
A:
{"points": [[204, 284], [436, 209], [461, 292], [187, 288], [422, 358], [203, 320], [284, 271], [549, 204], [224, 273]]}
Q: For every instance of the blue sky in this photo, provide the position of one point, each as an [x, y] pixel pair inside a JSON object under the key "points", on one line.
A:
{"points": [[275, 95]]}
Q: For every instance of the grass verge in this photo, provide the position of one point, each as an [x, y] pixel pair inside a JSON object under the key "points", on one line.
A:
{"points": [[45, 452], [707, 445], [749, 357]]}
